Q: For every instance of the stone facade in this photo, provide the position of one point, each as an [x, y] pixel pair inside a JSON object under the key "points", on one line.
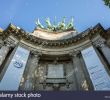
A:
{"points": [[55, 61]]}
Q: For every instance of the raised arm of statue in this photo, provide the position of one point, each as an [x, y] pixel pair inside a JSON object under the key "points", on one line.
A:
{"points": [[62, 24], [39, 24], [72, 21], [49, 26], [70, 24]]}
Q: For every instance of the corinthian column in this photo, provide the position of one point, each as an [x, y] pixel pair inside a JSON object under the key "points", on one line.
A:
{"points": [[29, 83], [78, 72], [100, 43], [3, 53]]}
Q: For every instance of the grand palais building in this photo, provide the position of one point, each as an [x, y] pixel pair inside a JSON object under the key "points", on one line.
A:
{"points": [[55, 58]]}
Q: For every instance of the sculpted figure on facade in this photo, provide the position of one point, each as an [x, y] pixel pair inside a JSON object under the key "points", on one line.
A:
{"points": [[39, 25], [61, 26], [49, 26], [70, 24]]}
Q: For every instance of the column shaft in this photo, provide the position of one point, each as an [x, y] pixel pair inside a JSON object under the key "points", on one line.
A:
{"points": [[102, 45], [80, 78], [3, 53], [106, 52], [29, 83]]}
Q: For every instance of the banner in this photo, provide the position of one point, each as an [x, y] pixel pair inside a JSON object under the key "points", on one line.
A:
{"points": [[96, 69], [14, 72]]}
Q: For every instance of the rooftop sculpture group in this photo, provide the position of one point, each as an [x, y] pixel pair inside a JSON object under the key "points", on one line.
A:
{"points": [[61, 26]]}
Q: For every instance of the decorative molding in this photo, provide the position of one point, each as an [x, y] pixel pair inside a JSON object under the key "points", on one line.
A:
{"points": [[74, 53], [99, 42], [10, 43], [36, 54], [21, 34]]}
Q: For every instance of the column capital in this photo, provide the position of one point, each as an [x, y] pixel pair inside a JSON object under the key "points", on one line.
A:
{"points": [[74, 53], [36, 53], [9, 44], [99, 43]]}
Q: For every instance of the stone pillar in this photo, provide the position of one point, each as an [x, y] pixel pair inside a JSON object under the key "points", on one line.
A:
{"points": [[79, 74], [29, 83], [7, 45], [100, 43], [3, 53]]}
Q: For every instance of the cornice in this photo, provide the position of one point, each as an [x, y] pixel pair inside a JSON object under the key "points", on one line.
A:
{"points": [[20, 34]]}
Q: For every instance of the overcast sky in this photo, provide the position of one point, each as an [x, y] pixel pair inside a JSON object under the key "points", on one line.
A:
{"points": [[23, 13]]}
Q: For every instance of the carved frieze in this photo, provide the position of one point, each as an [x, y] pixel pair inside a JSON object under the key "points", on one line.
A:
{"points": [[74, 53], [10, 43], [99, 42], [36, 53]]}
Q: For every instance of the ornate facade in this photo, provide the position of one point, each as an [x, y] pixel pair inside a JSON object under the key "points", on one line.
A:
{"points": [[54, 60]]}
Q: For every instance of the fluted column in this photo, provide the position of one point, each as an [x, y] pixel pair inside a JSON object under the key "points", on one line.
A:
{"points": [[29, 83], [3, 53], [78, 72], [100, 43]]}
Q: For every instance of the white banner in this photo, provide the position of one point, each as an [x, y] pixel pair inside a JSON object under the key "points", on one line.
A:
{"points": [[14, 72], [97, 72]]}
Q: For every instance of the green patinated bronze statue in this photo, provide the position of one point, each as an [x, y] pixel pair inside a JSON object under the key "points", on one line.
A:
{"points": [[49, 26], [39, 25], [70, 24], [60, 27]]}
